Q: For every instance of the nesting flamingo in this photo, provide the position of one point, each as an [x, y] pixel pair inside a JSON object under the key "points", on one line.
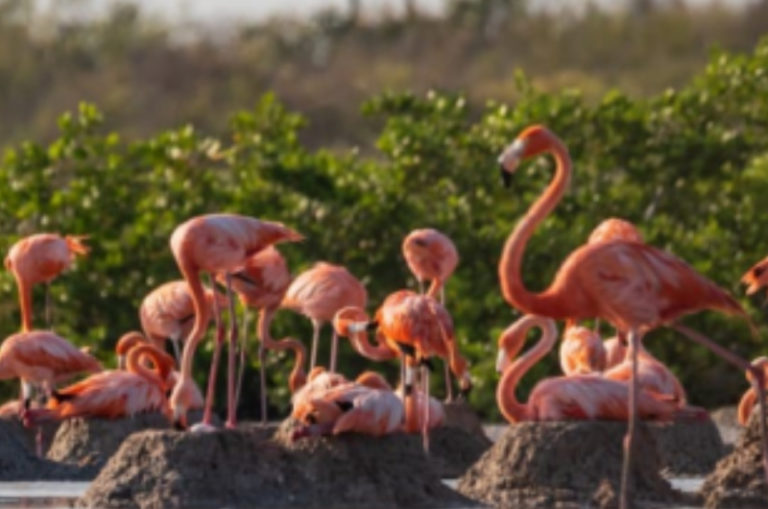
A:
{"points": [[318, 293], [114, 394], [216, 243], [747, 401], [168, 311], [37, 259], [431, 255], [633, 286], [261, 283], [575, 397], [581, 351]]}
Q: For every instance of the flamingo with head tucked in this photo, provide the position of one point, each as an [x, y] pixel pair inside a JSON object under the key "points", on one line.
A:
{"points": [[581, 351], [216, 243], [633, 286], [318, 293], [261, 283], [40, 258]]}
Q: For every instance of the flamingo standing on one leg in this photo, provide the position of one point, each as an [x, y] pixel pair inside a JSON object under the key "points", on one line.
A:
{"points": [[168, 311], [631, 285], [216, 243], [575, 397], [39, 259], [318, 293], [114, 394], [431, 255], [262, 283]]}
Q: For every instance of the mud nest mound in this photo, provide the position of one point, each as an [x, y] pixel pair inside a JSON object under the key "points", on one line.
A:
{"points": [[458, 414], [739, 479], [242, 468], [544, 464], [89, 443], [27, 436], [453, 450], [688, 447], [19, 463]]}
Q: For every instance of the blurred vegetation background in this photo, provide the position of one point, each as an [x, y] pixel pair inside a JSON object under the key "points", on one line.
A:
{"points": [[355, 131]]}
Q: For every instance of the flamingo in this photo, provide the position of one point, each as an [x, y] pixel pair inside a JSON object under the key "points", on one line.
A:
{"points": [[167, 312], [215, 243], [633, 286], [615, 228], [261, 283], [430, 254], [114, 394], [575, 397], [366, 406], [747, 402], [40, 258], [581, 351], [318, 293]]}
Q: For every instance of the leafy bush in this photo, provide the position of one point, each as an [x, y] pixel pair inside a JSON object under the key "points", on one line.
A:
{"points": [[688, 166]]}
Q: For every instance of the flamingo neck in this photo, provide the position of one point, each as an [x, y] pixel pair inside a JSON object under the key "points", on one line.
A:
{"points": [[380, 352], [434, 289], [511, 342], [510, 266], [134, 364], [297, 377], [25, 302], [202, 317]]}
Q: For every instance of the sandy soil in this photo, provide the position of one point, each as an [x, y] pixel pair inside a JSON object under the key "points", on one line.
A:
{"points": [[565, 464], [739, 480], [246, 468]]}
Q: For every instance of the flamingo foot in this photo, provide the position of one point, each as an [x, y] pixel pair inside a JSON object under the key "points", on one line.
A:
{"points": [[202, 427]]}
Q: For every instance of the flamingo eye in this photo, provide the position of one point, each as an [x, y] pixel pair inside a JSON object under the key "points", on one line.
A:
{"points": [[312, 419], [758, 271]]}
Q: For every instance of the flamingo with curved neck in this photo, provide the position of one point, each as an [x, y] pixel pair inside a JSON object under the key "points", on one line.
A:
{"points": [[631, 285]]}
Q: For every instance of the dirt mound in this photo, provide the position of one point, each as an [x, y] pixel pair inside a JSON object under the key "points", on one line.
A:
{"points": [[241, 468], [688, 447], [453, 450], [89, 443], [727, 424], [458, 414], [738, 479], [19, 463], [27, 435], [543, 464]]}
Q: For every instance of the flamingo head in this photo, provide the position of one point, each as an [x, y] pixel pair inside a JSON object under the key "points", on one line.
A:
{"points": [[502, 360], [350, 320], [179, 402], [532, 141], [756, 277], [316, 418], [761, 366]]}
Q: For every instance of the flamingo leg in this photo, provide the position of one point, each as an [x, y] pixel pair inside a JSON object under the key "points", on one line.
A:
{"points": [[243, 346], [209, 396], [263, 381], [421, 287], [315, 338], [334, 351], [448, 384], [176, 348], [231, 367], [629, 439], [48, 307], [425, 424]]}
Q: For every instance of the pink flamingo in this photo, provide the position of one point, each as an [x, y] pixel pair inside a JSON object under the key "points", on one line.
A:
{"points": [[261, 283], [615, 228], [215, 243], [39, 259], [430, 254], [631, 285], [565, 397], [114, 394], [581, 351], [747, 402], [318, 293], [167, 312]]}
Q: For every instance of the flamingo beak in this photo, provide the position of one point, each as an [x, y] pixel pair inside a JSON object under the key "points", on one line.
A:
{"points": [[501, 361], [121, 362], [506, 177]]}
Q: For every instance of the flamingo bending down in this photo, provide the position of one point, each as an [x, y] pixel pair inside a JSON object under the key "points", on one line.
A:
{"points": [[431, 255], [576, 397], [167, 312], [114, 394], [633, 286], [581, 351], [318, 293], [215, 243], [261, 283], [39, 259]]}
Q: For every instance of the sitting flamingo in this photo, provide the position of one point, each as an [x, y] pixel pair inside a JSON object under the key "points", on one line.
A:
{"points": [[114, 394], [581, 351], [747, 402], [574, 397]]}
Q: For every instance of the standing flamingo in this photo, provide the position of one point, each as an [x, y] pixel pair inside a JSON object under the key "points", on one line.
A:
{"points": [[430, 254], [216, 243], [114, 394], [39, 259], [168, 311], [261, 283], [318, 293], [631, 285], [566, 397]]}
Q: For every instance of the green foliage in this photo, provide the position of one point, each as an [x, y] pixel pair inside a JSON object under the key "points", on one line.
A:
{"points": [[688, 166]]}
